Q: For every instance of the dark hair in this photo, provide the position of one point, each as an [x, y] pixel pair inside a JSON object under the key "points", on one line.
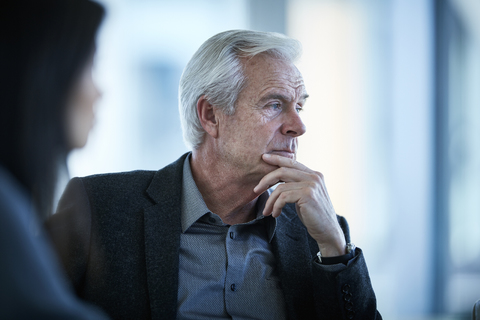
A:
{"points": [[44, 45]]}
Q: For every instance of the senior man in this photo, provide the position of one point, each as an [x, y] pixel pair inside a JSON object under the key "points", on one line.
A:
{"points": [[205, 237]]}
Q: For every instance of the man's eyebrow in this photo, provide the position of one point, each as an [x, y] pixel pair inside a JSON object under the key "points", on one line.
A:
{"points": [[282, 97], [273, 96]]}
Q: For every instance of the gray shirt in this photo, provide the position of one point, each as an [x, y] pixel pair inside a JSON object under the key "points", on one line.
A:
{"points": [[226, 271]]}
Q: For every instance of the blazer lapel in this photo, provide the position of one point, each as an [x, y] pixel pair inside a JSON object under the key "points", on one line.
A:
{"points": [[162, 240], [294, 260]]}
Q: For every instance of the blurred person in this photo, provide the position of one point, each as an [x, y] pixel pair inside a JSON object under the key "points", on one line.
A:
{"points": [[46, 96], [206, 237]]}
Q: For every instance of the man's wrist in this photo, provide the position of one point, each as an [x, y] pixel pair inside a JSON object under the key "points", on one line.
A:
{"points": [[334, 248], [349, 251]]}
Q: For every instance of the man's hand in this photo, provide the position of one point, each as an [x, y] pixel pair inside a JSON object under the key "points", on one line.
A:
{"points": [[306, 188]]}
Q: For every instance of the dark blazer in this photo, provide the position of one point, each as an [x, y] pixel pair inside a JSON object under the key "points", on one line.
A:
{"points": [[118, 236]]}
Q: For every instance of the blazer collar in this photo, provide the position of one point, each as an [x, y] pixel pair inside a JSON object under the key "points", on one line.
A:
{"points": [[167, 182]]}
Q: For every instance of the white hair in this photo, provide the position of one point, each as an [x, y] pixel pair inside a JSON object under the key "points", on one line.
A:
{"points": [[216, 71]]}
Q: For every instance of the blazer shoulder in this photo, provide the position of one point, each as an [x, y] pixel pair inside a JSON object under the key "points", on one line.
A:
{"points": [[133, 181], [125, 191]]}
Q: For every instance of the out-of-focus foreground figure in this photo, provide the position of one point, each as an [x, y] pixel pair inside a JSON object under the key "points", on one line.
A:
{"points": [[46, 109]]}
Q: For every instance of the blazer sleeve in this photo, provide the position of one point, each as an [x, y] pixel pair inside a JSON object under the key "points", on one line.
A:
{"points": [[70, 231], [344, 291]]}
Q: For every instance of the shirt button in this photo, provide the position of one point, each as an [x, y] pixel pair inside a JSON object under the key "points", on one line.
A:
{"points": [[232, 235], [233, 287]]}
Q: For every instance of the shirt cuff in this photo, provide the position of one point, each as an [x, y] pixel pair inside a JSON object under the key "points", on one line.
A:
{"points": [[335, 260]]}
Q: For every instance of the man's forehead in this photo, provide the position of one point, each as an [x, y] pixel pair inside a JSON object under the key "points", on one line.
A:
{"points": [[265, 72], [266, 62], [281, 85]]}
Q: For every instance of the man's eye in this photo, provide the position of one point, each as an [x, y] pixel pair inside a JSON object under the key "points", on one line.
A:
{"points": [[299, 109], [275, 106]]}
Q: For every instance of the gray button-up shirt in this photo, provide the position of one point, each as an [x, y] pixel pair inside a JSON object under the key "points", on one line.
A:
{"points": [[226, 271]]}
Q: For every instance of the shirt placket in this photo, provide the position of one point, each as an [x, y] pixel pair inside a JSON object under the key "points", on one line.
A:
{"points": [[234, 274]]}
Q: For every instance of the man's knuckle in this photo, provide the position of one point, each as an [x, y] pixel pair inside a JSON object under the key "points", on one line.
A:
{"points": [[310, 192], [319, 175], [315, 179], [282, 197]]}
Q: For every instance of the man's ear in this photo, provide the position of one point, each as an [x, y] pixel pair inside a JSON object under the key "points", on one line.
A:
{"points": [[208, 116]]}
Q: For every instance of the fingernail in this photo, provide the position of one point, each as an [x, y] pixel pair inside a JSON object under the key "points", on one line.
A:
{"points": [[267, 155]]}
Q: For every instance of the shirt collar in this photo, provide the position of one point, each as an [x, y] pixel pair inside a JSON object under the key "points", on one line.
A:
{"points": [[194, 207]]}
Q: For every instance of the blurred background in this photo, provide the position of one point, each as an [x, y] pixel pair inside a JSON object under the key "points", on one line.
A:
{"points": [[393, 122]]}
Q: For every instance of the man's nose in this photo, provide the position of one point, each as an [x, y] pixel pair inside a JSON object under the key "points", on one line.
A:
{"points": [[293, 124]]}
